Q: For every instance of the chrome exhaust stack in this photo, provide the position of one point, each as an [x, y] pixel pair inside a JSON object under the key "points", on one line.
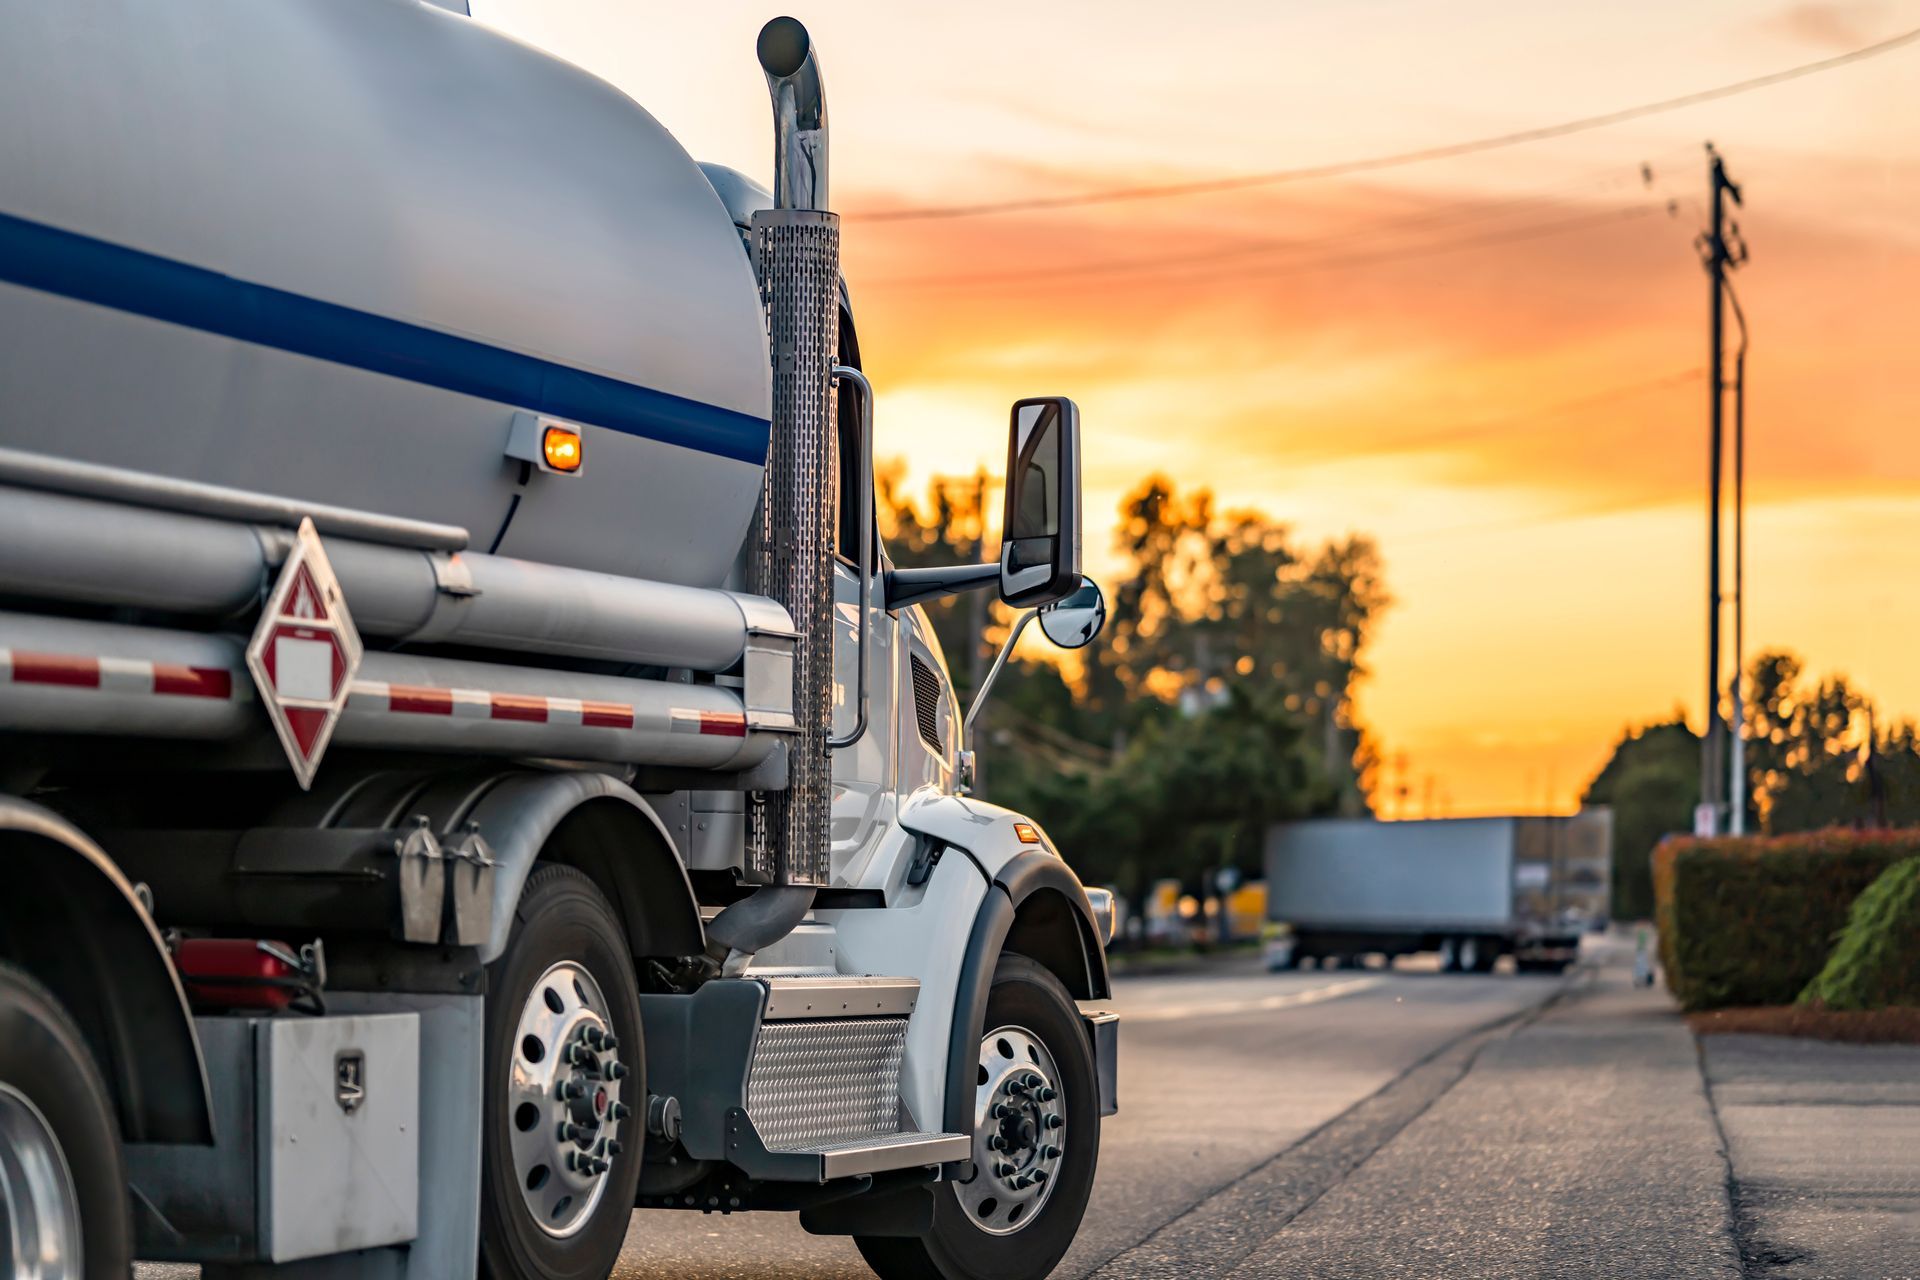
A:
{"points": [[797, 254]]}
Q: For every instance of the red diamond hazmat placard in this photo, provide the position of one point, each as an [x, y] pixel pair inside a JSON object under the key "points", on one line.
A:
{"points": [[304, 653]]}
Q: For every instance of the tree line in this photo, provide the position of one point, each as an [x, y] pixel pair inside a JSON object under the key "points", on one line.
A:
{"points": [[1218, 701], [1819, 754]]}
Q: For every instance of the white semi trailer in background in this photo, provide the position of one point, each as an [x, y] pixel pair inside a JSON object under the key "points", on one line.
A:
{"points": [[1471, 889], [467, 768]]}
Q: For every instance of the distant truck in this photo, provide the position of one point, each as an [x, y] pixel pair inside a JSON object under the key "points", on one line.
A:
{"points": [[1471, 889]]}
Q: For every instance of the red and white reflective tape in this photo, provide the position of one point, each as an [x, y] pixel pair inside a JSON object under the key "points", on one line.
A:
{"points": [[723, 724], [480, 704], [119, 675]]}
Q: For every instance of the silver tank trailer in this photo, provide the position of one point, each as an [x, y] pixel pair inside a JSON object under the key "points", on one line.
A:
{"points": [[328, 250]]}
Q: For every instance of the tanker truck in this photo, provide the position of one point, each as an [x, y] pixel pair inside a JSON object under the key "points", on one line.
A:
{"points": [[468, 767]]}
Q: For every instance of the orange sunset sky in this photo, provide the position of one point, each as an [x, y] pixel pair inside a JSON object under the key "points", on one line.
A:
{"points": [[1494, 364]]}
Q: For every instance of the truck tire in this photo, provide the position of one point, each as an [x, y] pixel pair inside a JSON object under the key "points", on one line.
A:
{"points": [[991, 1227], [561, 1135], [1449, 950], [61, 1169]]}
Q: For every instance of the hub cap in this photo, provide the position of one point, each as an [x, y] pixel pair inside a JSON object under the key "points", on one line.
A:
{"points": [[563, 1100], [39, 1209], [1020, 1132]]}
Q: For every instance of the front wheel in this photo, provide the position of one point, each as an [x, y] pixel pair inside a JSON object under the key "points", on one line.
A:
{"points": [[1036, 1141], [63, 1183]]}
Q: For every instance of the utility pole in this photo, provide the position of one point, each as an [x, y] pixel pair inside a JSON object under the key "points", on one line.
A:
{"points": [[1713, 776], [1737, 767]]}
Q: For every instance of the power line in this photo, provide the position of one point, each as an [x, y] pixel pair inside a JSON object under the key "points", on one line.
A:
{"points": [[1168, 190], [1550, 227], [1452, 212]]}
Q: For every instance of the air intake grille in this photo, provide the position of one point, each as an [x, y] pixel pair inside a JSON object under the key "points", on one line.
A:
{"points": [[926, 703], [817, 1081]]}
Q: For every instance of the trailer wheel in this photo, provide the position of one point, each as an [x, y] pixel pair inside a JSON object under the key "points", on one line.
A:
{"points": [[63, 1181], [561, 1144], [1037, 1137], [1449, 950]]}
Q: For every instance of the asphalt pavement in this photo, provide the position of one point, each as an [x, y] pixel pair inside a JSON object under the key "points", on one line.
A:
{"points": [[1221, 1072], [1824, 1141]]}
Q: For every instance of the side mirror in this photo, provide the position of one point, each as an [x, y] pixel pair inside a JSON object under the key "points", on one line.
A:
{"points": [[1040, 548], [1072, 623]]}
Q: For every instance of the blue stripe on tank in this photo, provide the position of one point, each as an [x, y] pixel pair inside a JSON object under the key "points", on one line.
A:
{"points": [[75, 266]]}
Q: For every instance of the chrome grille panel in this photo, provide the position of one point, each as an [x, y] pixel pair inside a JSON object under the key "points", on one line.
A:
{"points": [[822, 1082]]}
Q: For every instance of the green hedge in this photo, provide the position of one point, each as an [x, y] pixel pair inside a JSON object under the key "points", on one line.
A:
{"points": [[1876, 962], [1750, 920]]}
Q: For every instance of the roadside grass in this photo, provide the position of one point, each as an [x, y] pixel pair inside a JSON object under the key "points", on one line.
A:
{"points": [[1896, 1025]]}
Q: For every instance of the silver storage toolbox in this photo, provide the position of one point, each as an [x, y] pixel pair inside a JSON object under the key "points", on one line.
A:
{"points": [[317, 1144]]}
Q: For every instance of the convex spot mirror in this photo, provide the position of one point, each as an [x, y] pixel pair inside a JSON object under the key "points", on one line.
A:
{"points": [[1072, 623], [1040, 550]]}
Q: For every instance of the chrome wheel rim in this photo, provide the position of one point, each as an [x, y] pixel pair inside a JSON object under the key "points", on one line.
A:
{"points": [[563, 1099], [39, 1208], [1470, 954], [1019, 1132]]}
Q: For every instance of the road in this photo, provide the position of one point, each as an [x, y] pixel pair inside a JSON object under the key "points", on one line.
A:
{"points": [[1220, 1071]]}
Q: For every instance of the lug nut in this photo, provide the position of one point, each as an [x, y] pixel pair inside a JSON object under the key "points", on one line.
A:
{"points": [[1050, 1153], [1002, 1169], [601, 1166], [571, 1089], [619, 1111], [1001, 1111], [1054, 1122], [616, 1071], [995, 1142], [614, 1148], [1038, 1175], [571, 1132], [1047, 1093]]}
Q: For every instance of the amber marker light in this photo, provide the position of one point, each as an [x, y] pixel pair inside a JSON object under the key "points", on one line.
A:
{"points": [[561, 447], [1026, 832]]}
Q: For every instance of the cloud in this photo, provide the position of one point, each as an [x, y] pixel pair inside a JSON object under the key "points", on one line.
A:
{"points": [[1831, 24]]}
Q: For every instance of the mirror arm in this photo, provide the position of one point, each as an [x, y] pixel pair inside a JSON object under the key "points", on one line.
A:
{"points": [[999, 661], [848, 374], [911, 586]]}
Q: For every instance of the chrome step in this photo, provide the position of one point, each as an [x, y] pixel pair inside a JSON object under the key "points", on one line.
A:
{"points": [[891, 1151], [836, 995]]}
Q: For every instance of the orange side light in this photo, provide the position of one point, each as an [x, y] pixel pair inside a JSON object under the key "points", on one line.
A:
{"points": [[561, 446], [1026, 833]]}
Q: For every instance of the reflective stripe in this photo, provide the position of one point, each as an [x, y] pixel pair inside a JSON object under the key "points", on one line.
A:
{"points": [[480, 704], [115, 675]]}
